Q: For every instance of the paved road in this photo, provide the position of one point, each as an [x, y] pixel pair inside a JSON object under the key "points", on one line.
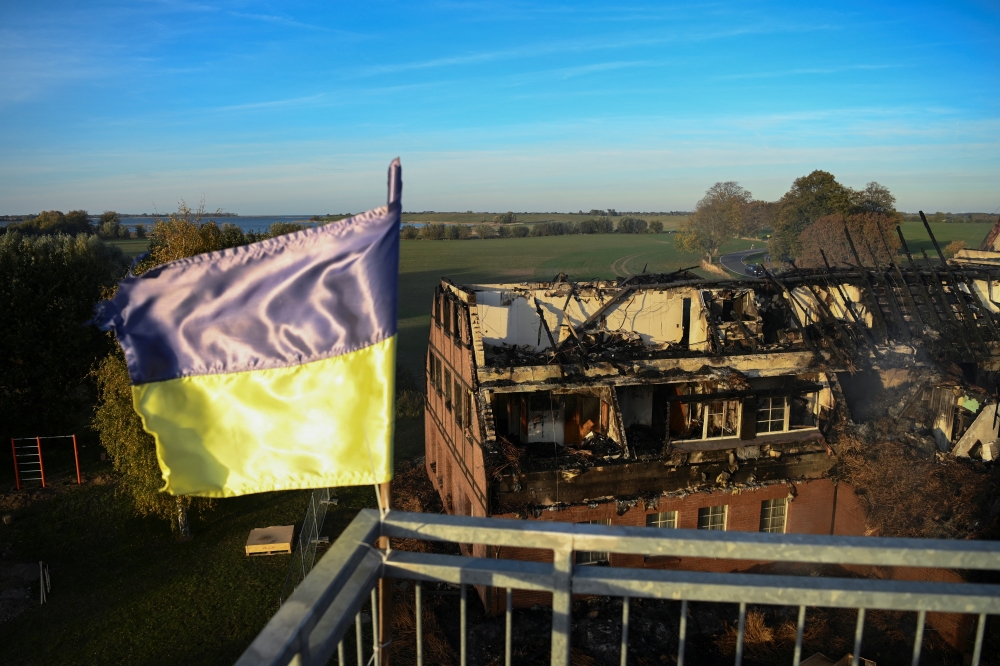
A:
{"points": [[736, 262]]}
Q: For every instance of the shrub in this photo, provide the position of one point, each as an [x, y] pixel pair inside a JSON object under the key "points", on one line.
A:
{"points": [[433, 232], [632, 225], [953, 248], [409, 232]]}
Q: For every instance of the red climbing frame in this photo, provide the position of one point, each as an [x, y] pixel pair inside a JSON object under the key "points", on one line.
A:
{"points": [[31, 456]]}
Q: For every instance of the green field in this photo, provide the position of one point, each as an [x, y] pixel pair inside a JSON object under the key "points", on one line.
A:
{"points": [[670, 222]]}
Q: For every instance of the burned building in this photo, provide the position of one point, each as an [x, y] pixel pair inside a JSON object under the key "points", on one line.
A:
{"points": [[674, 401]]}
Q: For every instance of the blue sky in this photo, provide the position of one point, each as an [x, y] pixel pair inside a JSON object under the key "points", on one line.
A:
{"points": [[287, 107]]}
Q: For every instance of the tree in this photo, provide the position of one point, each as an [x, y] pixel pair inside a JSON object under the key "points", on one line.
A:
{"points": [[485, 231], [49, 285], [133, 450], [717, 219], [867, 231], [875, 198], [140, 230], [757, 215], [810, 198], [655, 227], [409, 232], [110, 226], [54, 222], [507, 218]]}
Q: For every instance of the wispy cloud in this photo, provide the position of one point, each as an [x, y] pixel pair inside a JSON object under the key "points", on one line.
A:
{"points": [[802, 71]]}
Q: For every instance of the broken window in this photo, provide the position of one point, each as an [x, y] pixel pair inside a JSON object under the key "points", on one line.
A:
{"points": [[446, 315], [457, 319], [722, 418], [771, 414], [712, 517], [772, 515], [662, 519], [468, 409], [437, 306], [803, 411], [590, 556]]}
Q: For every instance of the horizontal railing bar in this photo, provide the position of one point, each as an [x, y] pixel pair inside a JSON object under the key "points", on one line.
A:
{"points": [[788, 590], [465, 529], [461, 570], [278, 642], [25, 439], [339, 617], [874, 551]]}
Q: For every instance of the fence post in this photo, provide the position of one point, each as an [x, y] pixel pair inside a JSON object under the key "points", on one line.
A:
{"points": [[76, 455], [17, 472], [41, 467]]}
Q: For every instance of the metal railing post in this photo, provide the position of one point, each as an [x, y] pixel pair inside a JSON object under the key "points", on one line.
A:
{"points": [[624, 659], [562, 620], [509, 629]]}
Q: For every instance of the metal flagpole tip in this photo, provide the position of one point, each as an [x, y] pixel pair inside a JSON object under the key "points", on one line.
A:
{"points": [[395, 182]]}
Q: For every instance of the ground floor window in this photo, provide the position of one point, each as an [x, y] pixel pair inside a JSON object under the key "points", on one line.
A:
{"points": [[593, 556], [772, 515], [663, 519], [712, 517]]}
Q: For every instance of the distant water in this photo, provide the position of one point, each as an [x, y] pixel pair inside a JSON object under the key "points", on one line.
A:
{"points": [[244, 222]]}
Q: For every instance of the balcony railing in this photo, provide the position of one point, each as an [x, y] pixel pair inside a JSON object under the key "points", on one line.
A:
{"points": [[311, 626]]}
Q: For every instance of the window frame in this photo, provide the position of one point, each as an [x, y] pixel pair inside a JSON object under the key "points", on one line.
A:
{"points": [[659, 522], [707, 415], [592, 557], [767, 515], [712, 513]]}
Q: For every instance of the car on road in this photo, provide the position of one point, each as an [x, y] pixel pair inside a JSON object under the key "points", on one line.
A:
{"points": [[755, 270]]}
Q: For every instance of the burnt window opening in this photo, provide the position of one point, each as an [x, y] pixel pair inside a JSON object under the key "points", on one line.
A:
{"points": [[447, 389], [543, 417], [456, 320], [459, 398], [437, 306], [446, 315], [469, 398], [803, 411]]}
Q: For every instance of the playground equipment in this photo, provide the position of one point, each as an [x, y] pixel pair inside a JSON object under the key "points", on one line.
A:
{"points": [[28, 458]]}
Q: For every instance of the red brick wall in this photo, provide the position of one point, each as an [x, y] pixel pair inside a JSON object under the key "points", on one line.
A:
{"points": [[810, 511], [459, 474]]}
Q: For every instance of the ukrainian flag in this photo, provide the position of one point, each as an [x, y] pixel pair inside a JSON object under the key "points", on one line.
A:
{"points": [[269, 366]]}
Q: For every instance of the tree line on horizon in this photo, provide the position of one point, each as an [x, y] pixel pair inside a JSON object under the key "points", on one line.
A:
{"points": [[600, 225], [816, 213]]}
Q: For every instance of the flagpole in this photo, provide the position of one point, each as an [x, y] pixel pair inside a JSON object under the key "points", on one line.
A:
{"points": [[384, 592]]}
